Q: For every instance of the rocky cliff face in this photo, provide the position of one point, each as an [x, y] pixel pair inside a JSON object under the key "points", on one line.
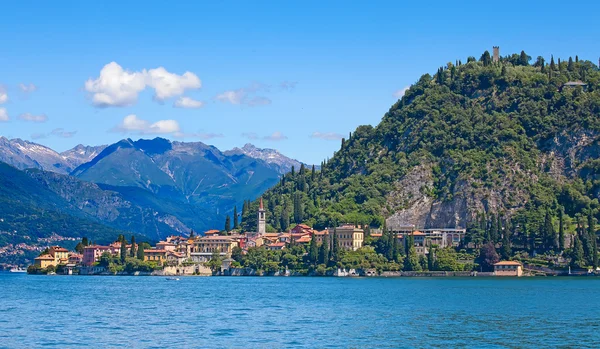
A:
{"points": [[23, 154]]}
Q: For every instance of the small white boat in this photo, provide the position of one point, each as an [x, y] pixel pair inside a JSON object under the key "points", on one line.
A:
{"points": [[18, 270], [173, 279]]}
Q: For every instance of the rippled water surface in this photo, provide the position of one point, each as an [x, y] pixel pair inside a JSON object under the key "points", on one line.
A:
{"points": [[269, 312]]}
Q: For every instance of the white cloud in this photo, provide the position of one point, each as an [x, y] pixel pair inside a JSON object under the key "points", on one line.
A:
{"points": [[27, 88], [3, 115], [3, 95], [276, 136], [400, 93], [118, 87], [245, 96], [132, 124], [33, 118], [328, 136], [187, 102], [36, 136], [167, 85]]}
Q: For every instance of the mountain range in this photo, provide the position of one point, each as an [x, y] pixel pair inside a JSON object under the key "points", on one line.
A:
{"points": [[152, 188]]}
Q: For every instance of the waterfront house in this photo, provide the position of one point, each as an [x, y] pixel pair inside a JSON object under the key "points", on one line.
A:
{"points": [[92, 253], [155, 255], [508, 268], [44, 261], [75, 258], [60, 254], [205, 246], [175, 258], [349, 237]]}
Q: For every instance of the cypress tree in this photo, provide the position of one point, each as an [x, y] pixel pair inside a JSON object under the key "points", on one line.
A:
{"points": [[140, 253], [228, 224], [552, 64], [486, 59], [431, 259], [570, 64], [506, 250], [85, 241], [313, 251], [324, 250], [235, 218], [335, 247], [548, 233], [132, 251], [523, 59], [312, 174], [123, 253], [293, 171], [561, 229], [395, 247], [577, 259]]}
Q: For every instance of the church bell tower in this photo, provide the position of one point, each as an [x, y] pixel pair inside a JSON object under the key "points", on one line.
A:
{"points": [[262, 222]]}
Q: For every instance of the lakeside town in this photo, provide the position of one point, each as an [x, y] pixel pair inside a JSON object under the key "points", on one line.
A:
{"points": [[346, 250]]}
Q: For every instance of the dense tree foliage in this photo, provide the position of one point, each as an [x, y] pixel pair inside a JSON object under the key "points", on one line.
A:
{"points": [[509, 135]]}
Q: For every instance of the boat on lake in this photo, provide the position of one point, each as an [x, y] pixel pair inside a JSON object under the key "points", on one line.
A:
{"points": [[18, 270], [173, 279]]}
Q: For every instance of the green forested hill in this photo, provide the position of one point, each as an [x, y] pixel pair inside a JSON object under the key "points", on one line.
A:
{"points": [[477, 140]]}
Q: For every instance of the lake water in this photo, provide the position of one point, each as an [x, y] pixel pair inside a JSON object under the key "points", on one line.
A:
{"points": [[280, 312]]}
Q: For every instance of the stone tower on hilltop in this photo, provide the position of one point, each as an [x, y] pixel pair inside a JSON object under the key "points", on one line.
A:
{"points": [[496, 56], [262, 221]]}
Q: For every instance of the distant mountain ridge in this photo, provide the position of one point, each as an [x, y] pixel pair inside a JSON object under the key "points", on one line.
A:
{"points": [[273, 157]]}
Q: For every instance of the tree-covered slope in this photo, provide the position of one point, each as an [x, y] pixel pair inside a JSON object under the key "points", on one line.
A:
{"points": [[29, 211], [504, 138]]}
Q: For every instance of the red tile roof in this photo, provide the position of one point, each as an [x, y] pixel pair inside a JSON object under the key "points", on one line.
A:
{"points": [[508, 263]]}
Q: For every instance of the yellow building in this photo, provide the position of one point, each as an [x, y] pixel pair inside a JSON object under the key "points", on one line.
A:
{"points": [[349, 237], [60, 254], [508, 268], [205, 246], [155, 255], [44, 261]]}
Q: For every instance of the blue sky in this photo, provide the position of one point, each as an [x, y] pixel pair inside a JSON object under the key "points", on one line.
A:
{"points": [[294, 76]]}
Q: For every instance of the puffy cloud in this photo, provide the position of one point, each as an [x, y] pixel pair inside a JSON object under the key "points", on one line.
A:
{"points": [[118, 87], [328, 136], [132, 124], [400, 93], [167, 85], [3, 95], [187, 102], [33, 118], [275, 136], [3, 115], [27, 88]]}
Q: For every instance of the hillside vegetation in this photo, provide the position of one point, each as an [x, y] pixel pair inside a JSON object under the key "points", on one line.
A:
{"points": [[475, 141]]}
